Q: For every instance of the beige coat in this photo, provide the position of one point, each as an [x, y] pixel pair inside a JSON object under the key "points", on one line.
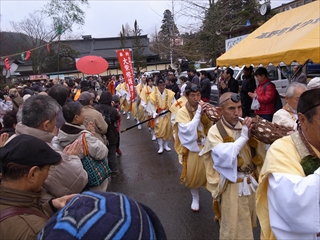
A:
{"points": [[101, 127], [68, 177]]}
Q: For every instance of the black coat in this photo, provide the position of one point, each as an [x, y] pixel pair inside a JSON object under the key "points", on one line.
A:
{"points": [[111, 115], [248, 85], [205, 86], [176, 90], [233, 86]]}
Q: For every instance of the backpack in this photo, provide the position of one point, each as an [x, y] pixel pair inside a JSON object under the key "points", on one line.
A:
{"points": [[278, 103], [112, 128]]}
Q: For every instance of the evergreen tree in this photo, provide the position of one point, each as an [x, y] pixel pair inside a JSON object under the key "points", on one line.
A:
{"points": [[138, 48], [168, 32], [122, 38], [222, 17]]}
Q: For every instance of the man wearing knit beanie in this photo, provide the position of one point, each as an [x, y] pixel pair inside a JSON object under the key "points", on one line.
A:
{"points": [[103, 215]]}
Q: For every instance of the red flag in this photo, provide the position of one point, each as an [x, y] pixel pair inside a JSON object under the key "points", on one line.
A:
{"points": [[7, 64], [48, 48], [125, 60], [28, 55]]}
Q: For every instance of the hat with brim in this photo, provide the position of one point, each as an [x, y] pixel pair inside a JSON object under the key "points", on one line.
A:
{"points": [[26, 150], [86, 96]]}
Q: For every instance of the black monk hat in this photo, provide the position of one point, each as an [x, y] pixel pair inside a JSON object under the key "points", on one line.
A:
{"points": [[30, 151]]}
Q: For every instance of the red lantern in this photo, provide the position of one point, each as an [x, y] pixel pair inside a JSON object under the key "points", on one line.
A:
{"points": [[48, 48], [7, 64], [28, 55]]}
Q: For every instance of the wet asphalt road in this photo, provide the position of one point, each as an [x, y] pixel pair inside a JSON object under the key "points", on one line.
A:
{"points": [[153, 179]]}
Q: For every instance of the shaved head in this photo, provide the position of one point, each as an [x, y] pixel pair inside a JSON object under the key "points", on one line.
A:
{"points": [[223, 98]]}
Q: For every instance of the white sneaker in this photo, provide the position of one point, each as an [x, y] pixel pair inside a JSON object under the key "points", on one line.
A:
{"points": [[124, 113], [128, 116], [139, 127]]}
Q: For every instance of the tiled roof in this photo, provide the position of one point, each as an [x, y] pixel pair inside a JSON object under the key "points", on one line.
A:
{"points": [[106, 47]]}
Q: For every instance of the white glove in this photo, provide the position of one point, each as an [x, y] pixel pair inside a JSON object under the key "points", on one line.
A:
{"points": [[242, 140], [154, 115]]}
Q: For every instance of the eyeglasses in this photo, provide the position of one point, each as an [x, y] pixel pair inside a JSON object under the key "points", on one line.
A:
{"points": [[308, 109], [235, 97]]}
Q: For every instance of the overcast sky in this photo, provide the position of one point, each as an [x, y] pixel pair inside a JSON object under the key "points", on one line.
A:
{"points": [[104, 18]]}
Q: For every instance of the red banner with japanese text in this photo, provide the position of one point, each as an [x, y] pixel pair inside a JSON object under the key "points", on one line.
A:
{"points": [[125, 60]]}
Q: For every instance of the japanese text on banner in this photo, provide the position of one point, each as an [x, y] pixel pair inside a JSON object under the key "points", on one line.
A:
{"points": [[124, 58]]}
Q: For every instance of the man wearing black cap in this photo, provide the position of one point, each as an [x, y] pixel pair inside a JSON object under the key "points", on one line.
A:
{"points": [[24, 170], [39, 114], [160, 101]]}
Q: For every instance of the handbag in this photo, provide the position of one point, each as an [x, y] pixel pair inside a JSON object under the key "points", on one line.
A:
{"points": [[97, 171], [255, 105]]}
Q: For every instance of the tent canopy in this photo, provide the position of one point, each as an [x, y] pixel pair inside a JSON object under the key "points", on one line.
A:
{"points": [[290, 36]]}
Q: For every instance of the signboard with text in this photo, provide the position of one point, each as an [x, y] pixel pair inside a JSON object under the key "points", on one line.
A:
{"points": [[38, 77], [125, 61], [233, 41]]}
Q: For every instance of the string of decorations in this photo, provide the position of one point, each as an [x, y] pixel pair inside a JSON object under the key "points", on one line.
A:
{"points": [[25, 55]]}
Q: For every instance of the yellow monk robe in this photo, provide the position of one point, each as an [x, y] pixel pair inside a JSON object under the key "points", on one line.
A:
{"points": [[238, 215], [178, 104], [138, 114], [124, 103], [146, 91], [194, 172], [282, 157], [162, 126]]}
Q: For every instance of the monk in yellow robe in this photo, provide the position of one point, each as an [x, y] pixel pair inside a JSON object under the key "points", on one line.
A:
{"points": [[160, 101], [124, 94], [232, 163], [287, 116], [137, 109], [190, 129], [288, 205], [146, 91]]}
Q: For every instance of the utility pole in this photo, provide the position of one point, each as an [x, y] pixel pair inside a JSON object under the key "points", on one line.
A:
{"points": [[172, 34]]}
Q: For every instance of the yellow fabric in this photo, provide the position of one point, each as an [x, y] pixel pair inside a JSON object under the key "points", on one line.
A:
{"points": [[124, 105], [178, 104], [146, 91], [195, 176], [282, 157], [139, 88], [299, 40], [162, 127], [137, 114], [238, 215]]}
